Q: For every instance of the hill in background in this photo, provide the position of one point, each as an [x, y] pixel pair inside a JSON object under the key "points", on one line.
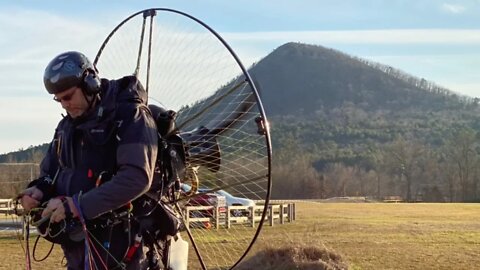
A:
{"points": [[344, 126], [299, 78]]}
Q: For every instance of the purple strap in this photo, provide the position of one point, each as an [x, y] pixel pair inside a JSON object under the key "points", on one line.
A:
{"points": [[76, 202]]}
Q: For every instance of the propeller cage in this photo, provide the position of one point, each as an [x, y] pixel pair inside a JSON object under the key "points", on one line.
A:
{"points": [[202, 149]]}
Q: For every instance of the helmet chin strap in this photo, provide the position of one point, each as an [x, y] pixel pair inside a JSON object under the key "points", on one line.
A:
{"points": [[91, 100]]}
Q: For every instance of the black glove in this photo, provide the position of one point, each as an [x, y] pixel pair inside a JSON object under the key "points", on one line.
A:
{"points": [[46, 185]]}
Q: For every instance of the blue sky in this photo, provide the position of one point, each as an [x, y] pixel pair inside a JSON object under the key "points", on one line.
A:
{"points": [[432, 39]]}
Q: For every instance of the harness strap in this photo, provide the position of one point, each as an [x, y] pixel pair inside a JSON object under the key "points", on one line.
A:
{"points": [[76, 202], [26, 236], [68, 211]]}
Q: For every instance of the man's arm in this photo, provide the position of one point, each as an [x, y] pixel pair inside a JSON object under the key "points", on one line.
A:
{"points": [[136, 156]]}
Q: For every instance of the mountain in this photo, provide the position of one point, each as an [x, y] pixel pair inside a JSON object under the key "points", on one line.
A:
{"points": [[333, 96], [299, 77]]}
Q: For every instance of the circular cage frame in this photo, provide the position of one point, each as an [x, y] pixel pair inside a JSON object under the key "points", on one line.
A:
{"points": [[151, 13]]}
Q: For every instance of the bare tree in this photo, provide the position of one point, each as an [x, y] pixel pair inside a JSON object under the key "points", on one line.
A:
{"points": [[460, 150], [403, 158]]}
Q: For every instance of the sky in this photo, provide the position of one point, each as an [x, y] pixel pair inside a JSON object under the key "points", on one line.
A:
{"points": [[438, 40]]}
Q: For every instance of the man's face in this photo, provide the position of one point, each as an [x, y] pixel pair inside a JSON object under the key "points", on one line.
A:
{"points": [[73, 101]]}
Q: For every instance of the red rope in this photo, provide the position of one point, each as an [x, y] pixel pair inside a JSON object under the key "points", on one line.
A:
{"points": [[92, 245]]}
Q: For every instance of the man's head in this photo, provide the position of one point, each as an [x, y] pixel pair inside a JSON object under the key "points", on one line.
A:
{"points": [[74, 81]]}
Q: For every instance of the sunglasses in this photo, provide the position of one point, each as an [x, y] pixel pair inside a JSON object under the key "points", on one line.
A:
{"points": [[65, 98]]}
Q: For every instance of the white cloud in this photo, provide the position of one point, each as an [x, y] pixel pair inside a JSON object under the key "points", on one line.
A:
{"points": [[457, 72], [253, 46], [29, 40], [27, 121], [469, 89], [43, 34], [452, 8], [28, 111], [394, 36], [28, 44]]}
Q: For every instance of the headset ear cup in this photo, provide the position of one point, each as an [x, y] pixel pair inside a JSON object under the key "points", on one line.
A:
{"points": [[91, 83]]}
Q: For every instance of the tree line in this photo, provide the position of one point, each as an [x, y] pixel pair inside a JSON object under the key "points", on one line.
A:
{"points": [[404, 167]]}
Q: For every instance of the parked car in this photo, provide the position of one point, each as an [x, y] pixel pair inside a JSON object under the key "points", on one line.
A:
{"points": [[206, 199], [234, 201]]}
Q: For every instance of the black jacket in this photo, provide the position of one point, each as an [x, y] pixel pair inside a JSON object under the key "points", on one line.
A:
{"points": [[117, 139]]}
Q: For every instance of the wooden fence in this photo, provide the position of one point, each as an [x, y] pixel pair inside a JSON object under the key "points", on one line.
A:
{"points": [[210, 216], [392, 199], [6, 206]]}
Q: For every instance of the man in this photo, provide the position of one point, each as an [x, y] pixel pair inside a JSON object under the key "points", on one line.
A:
{"points": [[102, 158]]}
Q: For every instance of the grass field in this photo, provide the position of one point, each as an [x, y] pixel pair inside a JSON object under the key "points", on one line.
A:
{"points": [[389, 236], [366, 235]]}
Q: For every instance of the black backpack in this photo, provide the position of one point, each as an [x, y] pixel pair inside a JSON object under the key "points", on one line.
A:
{"points": [[152, 211]]}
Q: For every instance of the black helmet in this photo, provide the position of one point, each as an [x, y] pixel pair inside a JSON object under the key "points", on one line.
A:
{"points": [[71, 69]]}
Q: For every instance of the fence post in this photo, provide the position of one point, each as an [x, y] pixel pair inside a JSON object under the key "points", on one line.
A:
{"points": [[270, 212], [217, 217], [281, 212], [228, 218], [289, 212], [294, 211], [253, 212]]}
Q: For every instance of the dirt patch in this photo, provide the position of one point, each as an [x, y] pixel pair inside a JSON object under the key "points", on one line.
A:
{"points": [[301, 258]]}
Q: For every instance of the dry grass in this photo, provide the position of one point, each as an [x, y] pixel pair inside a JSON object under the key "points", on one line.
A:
{"points": [[297, 257], [387, 236], [360, 235], [13, 256]]}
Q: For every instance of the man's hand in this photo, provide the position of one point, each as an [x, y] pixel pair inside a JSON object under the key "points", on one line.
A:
{"points": [[56, 208], [30, 198]]}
